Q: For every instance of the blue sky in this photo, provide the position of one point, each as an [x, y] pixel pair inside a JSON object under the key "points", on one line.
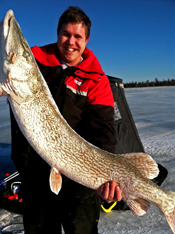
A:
{"points": [[133, 39]]}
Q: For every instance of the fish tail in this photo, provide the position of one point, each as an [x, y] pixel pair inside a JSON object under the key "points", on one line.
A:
{"points": [[171, 220], [170, 217]]}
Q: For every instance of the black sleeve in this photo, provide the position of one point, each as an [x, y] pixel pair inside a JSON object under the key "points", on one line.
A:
{"points": [[22, 152]]}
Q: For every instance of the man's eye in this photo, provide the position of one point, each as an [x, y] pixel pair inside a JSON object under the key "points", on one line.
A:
{"points": [[65, 34], [77, 36]]}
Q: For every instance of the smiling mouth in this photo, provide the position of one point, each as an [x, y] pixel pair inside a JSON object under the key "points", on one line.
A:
{"points": [[70, 49]]}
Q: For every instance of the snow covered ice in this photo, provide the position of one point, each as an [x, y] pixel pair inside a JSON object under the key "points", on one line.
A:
{"points": [[153, 110]]}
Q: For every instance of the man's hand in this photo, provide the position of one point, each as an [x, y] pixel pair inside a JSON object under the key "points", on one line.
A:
{"points": [[110, 192]]}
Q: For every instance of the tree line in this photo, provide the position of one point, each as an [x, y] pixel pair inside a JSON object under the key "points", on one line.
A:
{"points": [[148, 83]]}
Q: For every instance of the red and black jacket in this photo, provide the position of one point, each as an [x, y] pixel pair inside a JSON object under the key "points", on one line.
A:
{"points": [[83, 95]]}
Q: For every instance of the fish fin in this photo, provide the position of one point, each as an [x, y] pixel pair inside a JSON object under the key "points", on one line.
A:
{"points": [[138, 206], [171, 217], [145, 163], [55, 181], [171, 220]]}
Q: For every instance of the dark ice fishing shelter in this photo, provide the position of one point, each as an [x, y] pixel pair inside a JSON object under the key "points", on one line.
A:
{"points": [[127, 137]]}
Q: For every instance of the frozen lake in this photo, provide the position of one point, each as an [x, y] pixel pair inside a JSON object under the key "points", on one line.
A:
{"points": [[153, 110]]}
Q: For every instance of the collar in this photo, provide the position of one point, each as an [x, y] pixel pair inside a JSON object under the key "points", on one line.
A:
{"points": [[66, 65]]}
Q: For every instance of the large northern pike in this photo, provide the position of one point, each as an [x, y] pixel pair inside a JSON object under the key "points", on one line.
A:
{"points": [[65, 151]]}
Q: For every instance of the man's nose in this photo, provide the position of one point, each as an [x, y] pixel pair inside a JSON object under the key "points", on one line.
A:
{"points": [[71, 40]]}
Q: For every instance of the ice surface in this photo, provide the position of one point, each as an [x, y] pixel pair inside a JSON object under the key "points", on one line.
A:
{"points": [[153, 110]]}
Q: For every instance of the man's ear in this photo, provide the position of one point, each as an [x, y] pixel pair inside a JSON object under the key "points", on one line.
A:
{"points": [[87, 40]]}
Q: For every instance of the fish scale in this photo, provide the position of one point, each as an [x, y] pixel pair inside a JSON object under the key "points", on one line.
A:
{"points": [[59, 145]]}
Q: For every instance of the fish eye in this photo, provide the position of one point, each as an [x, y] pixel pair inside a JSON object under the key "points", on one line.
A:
{"points": [[26, 54]]}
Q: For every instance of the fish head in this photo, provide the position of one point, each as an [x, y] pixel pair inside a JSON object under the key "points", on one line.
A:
{"points": [[19, 74]]}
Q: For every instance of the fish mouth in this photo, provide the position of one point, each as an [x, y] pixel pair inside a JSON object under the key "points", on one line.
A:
{"points": [[4, 32], [12, 35], [7, 23]]}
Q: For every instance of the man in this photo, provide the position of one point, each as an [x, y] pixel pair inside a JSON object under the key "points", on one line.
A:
{"points": [[82, 92]]}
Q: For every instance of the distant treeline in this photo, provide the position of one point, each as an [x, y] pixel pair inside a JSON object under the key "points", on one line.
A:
{"points": [[148, 83]]}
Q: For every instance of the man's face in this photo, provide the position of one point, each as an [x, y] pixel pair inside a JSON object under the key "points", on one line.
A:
{"points": [[72, 42]]}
